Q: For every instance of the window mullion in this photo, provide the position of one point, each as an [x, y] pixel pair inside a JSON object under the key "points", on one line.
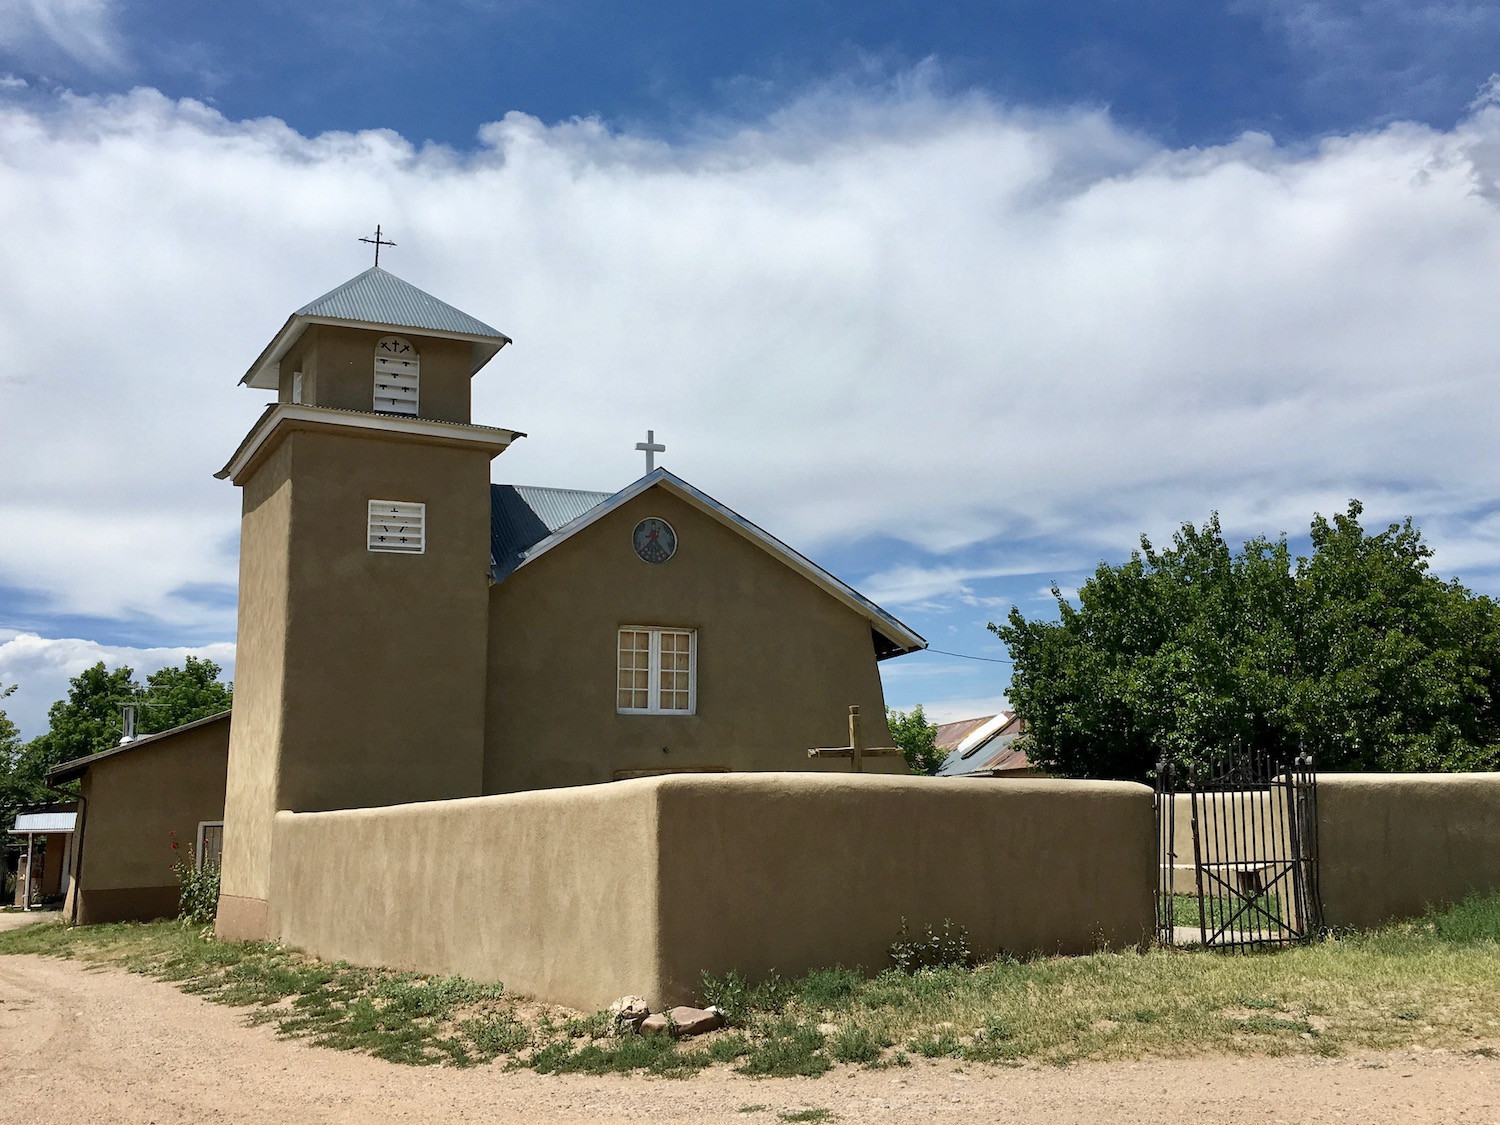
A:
{"points": [[653, 678]]}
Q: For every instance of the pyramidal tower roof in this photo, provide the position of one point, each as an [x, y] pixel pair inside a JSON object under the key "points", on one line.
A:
{"points": [[377, 299]]}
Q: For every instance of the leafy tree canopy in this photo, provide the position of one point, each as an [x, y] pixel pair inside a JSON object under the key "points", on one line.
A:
{"points": [[1356, 652], [88, 720], [175, 696], [916, 738], [10, 752]]}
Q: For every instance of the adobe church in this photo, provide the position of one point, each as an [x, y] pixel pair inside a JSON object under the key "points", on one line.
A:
{"points": [[410, 632]]}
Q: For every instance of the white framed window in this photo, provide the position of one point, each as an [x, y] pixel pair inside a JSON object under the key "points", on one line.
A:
{"points": [[297, 387], [398, 371], [209, 850], [658, 671], [399, 526]]}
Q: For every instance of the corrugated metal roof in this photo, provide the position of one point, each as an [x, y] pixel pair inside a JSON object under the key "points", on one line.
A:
{"points": [[949, 735], [986, 747], [377, 297], [521, 516], [45, 822]]}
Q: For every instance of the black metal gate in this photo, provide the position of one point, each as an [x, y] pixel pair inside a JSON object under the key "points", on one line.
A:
{"points": [[1251, 833]]}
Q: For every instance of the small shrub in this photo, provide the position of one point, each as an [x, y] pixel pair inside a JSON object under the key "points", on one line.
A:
{"points": [[198, 887], [856, 1044], [823, 988], [738, 999], [948, 948], [940, 1045], [789, 1050], [730, 994], [729, 1047], [495, 1035], [595, 1026]]}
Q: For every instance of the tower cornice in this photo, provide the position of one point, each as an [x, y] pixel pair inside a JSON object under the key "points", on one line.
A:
{"points": [[282, 418]]}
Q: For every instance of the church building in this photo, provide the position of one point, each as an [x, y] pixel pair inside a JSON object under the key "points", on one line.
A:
{"points": [[409, 631]]}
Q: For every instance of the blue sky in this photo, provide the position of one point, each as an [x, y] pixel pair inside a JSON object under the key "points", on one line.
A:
{"points": [[1186, 72], [956, 298]]}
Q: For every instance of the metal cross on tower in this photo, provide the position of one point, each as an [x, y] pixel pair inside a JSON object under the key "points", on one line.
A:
{"points": [[378, 243], [650, 449]]}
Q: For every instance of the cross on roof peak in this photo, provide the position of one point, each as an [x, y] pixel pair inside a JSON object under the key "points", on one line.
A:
{"points": [[650, 448], [378, 242]]}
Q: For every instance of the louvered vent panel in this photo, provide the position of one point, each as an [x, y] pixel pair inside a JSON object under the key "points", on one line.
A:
{"points": [[396, 385], [398, 526]]}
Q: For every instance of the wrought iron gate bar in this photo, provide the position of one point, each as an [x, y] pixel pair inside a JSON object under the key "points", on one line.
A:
{"points": [[1255, 860]]}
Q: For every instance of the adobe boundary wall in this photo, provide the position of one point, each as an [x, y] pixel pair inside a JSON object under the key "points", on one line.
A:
{"points": [[1391, 845], [582, 895]]}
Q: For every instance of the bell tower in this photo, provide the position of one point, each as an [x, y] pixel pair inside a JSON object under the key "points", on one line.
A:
{"points": [[364, 571]]}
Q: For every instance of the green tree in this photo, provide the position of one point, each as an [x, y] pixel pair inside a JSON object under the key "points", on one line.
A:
{"points": [[10, 756], [916, 738], [84, 723], [175, 696], [1355, 652]]}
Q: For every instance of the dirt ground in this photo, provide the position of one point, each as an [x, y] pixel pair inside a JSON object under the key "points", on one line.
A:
{"points": [[90, 1044]]}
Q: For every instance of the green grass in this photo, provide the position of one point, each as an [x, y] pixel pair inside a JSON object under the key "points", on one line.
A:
{"points": [[1218, 910], [1428, 983]]}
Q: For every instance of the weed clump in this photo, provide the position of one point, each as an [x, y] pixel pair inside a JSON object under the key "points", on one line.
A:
{"points": [[937, 949]]}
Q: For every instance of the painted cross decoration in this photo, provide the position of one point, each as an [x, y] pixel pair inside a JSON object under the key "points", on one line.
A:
{"points": [[856, 751], [650, 448]]}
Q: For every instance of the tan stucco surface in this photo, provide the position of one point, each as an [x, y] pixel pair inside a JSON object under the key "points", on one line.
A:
{"points": [[260, 676], [385, 658], [338, 370], [552, 893], [360, 674], [779, 661], [133, 804], [1390, 845], [585, 894]]}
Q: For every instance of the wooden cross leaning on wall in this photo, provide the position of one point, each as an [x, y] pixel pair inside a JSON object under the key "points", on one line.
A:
{"points": [[857, 751]]}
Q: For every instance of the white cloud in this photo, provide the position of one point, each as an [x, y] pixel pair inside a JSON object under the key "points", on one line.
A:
{"points": [[41, 667], [83, 31], [978, 330], [969, 707]]}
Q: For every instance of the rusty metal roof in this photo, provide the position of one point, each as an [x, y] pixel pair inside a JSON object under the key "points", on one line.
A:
{"points": [[949, 735]]}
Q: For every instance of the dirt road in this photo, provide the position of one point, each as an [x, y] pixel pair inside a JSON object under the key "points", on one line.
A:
{"points": [[89, 1044]]}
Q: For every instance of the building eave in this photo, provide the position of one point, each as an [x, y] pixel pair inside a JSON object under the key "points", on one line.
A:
{"points": [[900, 635], [71, 771], [265, 373], [288, 416]]}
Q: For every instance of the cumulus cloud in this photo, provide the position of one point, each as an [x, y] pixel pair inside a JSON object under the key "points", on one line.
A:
{"points": [[985, 334], [41, 667], [83, 32]]}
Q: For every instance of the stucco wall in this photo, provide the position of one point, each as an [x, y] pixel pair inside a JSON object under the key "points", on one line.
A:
{"points": [[133, 802], [259, 700], [582, 895], [338, 370], [552, 893], [361, 674], [779, 661], [1392, 844], [385, 659]]}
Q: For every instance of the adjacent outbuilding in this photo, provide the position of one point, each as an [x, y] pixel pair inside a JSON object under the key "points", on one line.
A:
{"points": [[136, 801]]}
